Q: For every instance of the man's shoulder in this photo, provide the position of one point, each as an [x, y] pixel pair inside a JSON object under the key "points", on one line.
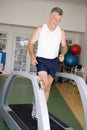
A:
{"points": [[40, 26]]}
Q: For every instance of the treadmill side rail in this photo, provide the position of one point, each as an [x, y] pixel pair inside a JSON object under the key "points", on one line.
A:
{"points": [[43, 121], [82, 87]]}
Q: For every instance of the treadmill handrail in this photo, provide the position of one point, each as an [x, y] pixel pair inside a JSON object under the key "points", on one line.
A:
{"points": [[82, 87], [42, 111]]}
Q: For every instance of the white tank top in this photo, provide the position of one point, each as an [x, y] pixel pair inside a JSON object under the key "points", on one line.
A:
{"points": [[49, 42]]}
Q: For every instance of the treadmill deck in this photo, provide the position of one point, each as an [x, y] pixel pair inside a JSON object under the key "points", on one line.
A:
{"points": [[21, 113]]}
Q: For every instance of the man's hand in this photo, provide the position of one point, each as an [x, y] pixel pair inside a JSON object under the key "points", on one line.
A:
{"points": [[34, 61], [61, 58]]}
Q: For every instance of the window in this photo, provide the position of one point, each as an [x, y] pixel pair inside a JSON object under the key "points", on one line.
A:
{"points": [[20, 53], [3, 41]]}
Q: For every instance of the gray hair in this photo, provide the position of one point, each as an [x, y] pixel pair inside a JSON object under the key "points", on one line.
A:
{"points": [[57, 10]]}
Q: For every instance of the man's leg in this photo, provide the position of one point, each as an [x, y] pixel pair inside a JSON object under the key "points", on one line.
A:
{"points": [[46, 82]]}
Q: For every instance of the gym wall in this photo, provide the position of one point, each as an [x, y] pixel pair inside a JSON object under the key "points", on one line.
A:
{"points": [[33, 13]]}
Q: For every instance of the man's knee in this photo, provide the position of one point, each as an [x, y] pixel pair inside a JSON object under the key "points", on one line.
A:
{"points": [[46, 84]]}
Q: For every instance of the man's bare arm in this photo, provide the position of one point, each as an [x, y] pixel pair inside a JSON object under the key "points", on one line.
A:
{"points": [[63, 46], [31, 43]]}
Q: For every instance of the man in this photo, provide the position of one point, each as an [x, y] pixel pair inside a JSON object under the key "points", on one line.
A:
{"points": [[49, 37]]}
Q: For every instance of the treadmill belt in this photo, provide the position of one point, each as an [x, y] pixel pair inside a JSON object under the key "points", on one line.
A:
{"points": [[22, 115], [23, 111]]}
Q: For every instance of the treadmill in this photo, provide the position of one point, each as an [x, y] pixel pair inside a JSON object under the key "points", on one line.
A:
{"points": [[18, 116]]}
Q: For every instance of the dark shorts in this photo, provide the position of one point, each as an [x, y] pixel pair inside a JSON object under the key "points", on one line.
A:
{"points": [[48, 65]]}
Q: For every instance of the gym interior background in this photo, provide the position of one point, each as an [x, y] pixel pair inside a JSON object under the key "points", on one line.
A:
{"points": [[19, 18]]}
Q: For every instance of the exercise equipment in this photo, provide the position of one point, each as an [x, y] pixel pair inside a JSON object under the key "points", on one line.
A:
{"points": [[18, 116], [3, 59], [82, 87], [61, 69], [75, 49], [71, 60]]}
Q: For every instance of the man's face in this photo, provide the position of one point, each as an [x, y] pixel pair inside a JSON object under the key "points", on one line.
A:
{"points": [[55, 19]]}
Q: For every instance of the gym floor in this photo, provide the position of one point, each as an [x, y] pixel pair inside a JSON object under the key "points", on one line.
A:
{"points": [[71, 95], [22, 93]]}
